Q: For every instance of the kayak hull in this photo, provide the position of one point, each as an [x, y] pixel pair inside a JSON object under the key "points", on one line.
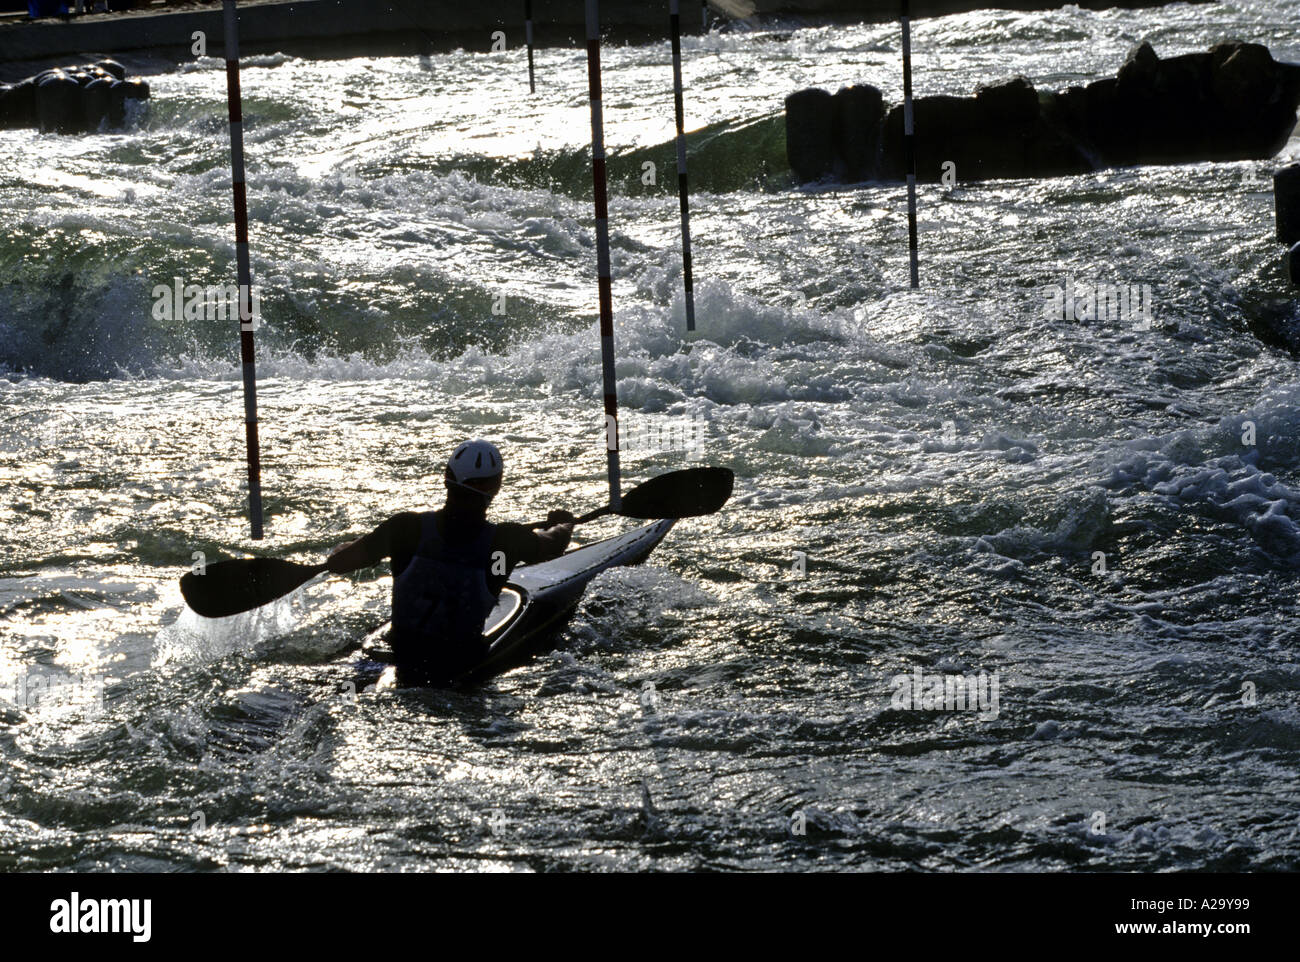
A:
{"points": [[536, 602]]}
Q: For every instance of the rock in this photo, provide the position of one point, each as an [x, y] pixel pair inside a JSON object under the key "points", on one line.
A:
{"points": [[1009, 103], [1163, 115], [1067, 109], [1245, 75], [1157, 112], [1053, 151], [1234, 102], [809, 134], [1188, 73], [1254, 102], [1286, 200], [1099, 103], [1057, 146], [962, 131], [855, 135], [1140, 67]]}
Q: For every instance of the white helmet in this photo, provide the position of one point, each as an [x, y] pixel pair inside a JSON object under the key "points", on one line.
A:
{"points": [[474, 459]]}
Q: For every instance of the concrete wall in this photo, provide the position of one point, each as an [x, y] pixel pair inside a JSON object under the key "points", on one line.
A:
{"points": [[343, 27], [300, 27]]}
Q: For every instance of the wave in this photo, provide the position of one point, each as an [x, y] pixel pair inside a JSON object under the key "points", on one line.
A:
{"points": [[731, 155], [1239, 472], [1229, 473]]}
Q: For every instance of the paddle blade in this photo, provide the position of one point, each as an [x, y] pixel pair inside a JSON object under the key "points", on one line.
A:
{"points": [[679, 494], [229, 587]]}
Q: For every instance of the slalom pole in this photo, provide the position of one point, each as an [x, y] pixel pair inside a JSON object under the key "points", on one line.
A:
{"points": [[528, 37], [909, 141], [675, 18], [704, 15], [245, 275], [602, 251]]}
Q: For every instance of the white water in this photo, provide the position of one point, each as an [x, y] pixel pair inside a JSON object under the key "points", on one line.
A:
{"points": [[948, 461]]}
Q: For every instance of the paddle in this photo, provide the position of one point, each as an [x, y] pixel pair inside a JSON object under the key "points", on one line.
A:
{"points": [[230, 587], [677, 494]]}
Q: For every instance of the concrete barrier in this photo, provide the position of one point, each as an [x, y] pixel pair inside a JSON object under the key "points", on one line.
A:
{"points": [[18, 105], [71, 100], [810, 134], [855, 131]]}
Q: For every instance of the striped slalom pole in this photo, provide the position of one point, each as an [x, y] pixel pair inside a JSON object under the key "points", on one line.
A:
{"points": [[602, 251], [909, 141], [675, 17], [245, 275], [528, 38]]}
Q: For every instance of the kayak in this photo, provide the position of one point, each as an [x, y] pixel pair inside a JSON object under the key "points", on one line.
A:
{"points": [[536, 602]]}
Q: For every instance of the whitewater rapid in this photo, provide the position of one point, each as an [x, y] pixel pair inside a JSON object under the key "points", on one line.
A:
{"points": [[944, 479]]}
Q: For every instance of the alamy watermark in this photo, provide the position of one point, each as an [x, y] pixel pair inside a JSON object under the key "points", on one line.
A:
{"points": [[212, 302], [643, 436], [32, 690], [919, 691], [76, 915], [1092, 301]]}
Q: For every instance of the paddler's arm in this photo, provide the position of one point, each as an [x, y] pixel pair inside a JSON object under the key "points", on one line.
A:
{"points": [[531, 545], [371, 549], [555, 538]]}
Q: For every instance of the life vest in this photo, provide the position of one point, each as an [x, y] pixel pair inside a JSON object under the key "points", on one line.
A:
{"points": [[440, 602]]}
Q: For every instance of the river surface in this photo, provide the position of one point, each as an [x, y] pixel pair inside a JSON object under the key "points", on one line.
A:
{"points": [[1097, 523]]}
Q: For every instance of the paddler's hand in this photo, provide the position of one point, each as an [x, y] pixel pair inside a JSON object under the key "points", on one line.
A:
{"points": [[558, 532], [340, 561]]}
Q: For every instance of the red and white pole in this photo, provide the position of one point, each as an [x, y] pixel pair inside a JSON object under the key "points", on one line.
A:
{"points": [[602, 251], [683, 194], [246, 326], [909, 142], [528, 39]]}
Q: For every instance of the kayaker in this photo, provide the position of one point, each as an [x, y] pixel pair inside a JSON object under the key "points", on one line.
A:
{"points": [[449, 565]]}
